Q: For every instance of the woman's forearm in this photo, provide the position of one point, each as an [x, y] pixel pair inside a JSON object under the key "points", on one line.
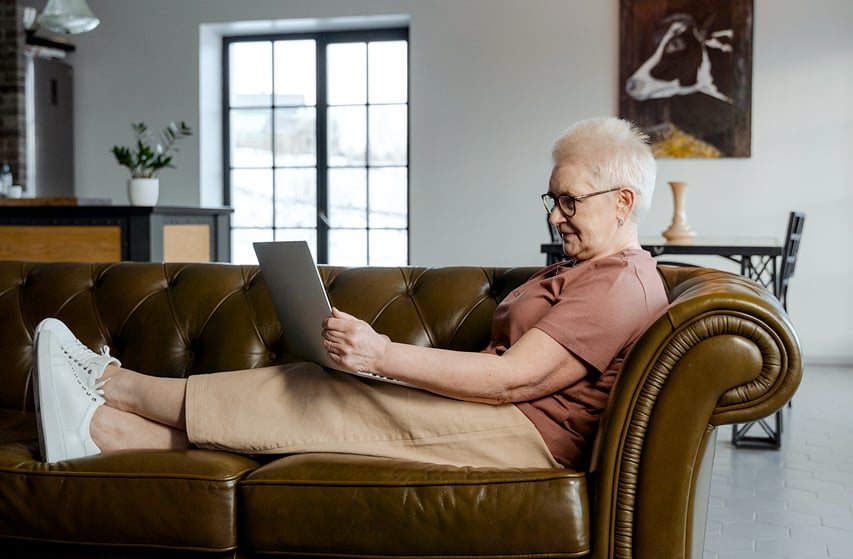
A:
{"points": [[536, 365], [463, 375]]}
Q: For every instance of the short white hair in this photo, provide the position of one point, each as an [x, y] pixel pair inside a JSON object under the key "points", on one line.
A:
{"points": [[615, 153]]}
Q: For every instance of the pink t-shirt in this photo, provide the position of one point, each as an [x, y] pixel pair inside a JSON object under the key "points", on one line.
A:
{"points": [[596, 310]]}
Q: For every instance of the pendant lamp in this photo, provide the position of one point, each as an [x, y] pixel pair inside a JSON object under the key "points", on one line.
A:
{"points": [[68, 16]]}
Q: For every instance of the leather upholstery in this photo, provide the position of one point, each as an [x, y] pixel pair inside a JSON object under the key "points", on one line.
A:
{"points": [[724, 352], [372, 506]]}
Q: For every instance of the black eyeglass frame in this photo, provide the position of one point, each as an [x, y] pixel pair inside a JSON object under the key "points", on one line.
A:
{"points": [[567, 203]]}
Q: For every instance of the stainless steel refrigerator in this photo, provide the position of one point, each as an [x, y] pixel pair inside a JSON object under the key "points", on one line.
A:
{"points": [[50, 128]]}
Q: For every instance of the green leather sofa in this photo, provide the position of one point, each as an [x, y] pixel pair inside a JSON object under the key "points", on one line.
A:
{"points": [[723, 353]]}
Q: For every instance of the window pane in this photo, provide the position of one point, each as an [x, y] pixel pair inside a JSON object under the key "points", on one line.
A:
{"points": [[389, 199], [274, 166], [251, 194], [295, 137], [389, 247], [346, 67], [296, 198], [295, 73], [347, 136], [242, 251], [388, 72], [251, 138], [309, 235], [347, 198], [388, 135], [348, 247], [250, 72]]}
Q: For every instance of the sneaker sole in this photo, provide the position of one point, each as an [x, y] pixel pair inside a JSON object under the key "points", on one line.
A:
{"points": [[36, 390], [49, 424]]}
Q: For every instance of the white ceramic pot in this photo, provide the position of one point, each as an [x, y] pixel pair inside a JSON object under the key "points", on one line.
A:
{"points": [[143, 192]]}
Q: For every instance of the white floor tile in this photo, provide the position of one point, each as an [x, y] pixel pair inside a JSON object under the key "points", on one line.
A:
{"points": [[795, 502]]}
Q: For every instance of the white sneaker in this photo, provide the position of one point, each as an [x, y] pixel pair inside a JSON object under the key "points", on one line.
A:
{"points": [[87, 364], [65, 404]]}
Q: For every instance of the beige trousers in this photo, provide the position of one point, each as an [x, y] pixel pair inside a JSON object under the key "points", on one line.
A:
{"points": [[301, 408]]}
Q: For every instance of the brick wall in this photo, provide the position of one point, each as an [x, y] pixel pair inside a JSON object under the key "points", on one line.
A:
{"points": [[12, 110]]}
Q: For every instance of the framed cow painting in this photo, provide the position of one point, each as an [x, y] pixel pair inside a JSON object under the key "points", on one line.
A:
{"points": [[685, 74]]}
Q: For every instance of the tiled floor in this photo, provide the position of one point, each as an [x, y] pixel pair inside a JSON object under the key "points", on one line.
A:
{"points": [[796, 502]]}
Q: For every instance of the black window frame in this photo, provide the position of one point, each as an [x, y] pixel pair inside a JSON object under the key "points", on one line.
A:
{"points": [[322, 40]]}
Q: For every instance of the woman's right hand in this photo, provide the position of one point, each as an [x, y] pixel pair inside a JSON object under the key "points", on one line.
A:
{"points": [[352, 343]]}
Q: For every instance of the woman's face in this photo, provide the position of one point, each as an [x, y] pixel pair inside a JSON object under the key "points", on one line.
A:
{"points": [[593, 232]]}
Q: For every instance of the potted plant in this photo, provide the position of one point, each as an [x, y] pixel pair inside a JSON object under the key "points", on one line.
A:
{"points": [[147, 158]]}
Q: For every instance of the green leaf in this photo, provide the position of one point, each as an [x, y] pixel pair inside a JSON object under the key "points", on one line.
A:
{"points": [[149, 155]]}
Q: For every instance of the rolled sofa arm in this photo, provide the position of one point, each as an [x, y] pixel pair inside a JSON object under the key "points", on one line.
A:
{"points": [[723, 352]]}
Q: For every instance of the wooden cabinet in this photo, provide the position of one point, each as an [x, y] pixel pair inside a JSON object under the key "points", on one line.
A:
{"points": [[105, 233]]}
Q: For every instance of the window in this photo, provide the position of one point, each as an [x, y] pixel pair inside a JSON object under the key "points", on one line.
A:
{"points": [[316, 144]]}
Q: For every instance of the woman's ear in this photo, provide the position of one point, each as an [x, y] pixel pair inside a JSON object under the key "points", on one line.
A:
{"points": [[625, 200]]}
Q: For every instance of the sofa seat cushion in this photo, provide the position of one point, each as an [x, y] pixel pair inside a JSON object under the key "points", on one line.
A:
{"points": [[165, 499], [358, 505]]}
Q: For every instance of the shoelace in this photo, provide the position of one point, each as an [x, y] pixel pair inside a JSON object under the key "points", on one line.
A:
{"points": [[81, 357], [90, 392]]}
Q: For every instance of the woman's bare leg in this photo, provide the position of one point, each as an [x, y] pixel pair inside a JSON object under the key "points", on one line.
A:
{"points": [[156, 398], [113, 429], [141, 411]]}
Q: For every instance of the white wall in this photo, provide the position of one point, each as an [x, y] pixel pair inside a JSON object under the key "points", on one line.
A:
{"points": [[493, 82]]}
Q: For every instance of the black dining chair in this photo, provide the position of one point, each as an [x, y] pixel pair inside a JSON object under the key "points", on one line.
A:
{"points": [[790, 249], [553, 256], [796, 221]]}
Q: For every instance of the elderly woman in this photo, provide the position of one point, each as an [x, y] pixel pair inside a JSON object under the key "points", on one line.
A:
{"points": [[532, 398]]}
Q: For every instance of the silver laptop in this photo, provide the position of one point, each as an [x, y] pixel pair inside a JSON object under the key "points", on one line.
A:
{"points": [[300, 300]]}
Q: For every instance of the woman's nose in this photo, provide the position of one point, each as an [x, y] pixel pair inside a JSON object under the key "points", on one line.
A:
{"points": [[556, 216]]}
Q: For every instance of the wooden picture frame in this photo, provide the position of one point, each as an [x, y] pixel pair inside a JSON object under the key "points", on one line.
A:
{"points": [[685, 75]]}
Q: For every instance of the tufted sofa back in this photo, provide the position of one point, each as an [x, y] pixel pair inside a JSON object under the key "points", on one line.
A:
{"points": [[179, 319]]}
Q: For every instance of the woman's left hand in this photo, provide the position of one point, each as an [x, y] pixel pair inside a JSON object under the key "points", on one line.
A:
{"points": [[352, 343]]}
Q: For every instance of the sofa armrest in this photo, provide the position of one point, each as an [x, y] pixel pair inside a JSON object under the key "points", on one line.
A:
{"points": [[723, 352]]}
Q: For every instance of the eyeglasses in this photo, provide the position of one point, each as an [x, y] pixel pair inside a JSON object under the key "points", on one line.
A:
{"points": [[567, 203]]}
